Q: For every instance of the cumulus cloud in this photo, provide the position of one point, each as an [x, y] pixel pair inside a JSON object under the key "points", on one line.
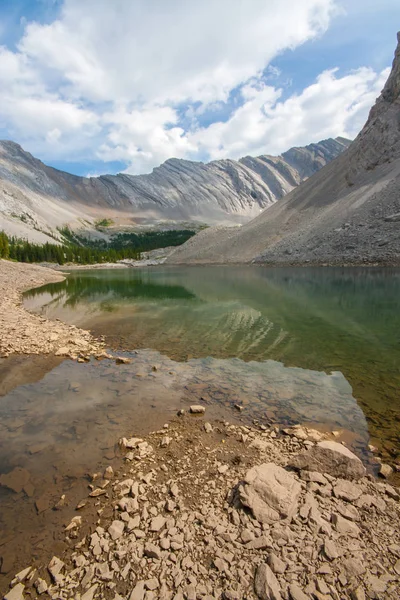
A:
{"points": [[332, 106], [130, 80]]}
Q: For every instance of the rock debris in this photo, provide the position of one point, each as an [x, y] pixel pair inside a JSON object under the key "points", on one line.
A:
{"points": [[173, 525]]}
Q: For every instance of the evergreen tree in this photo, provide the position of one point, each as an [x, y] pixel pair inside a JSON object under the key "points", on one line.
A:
{"points": [[4, 246]]}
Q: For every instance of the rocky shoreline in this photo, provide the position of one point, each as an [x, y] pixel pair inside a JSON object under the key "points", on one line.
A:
{"points": [[201, 510], [26, 333]]}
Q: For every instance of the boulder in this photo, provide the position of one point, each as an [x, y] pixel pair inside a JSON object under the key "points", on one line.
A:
{"points": [[122, 360], [90, 592], [165, 441], [41, 586], [266, 584], [63, 351], [152, 551], [270, 492], [330, 550], [157, 523], [392, 218], [277, 565], [358, 594], [304, 433], [108, 473], [332, 458]]}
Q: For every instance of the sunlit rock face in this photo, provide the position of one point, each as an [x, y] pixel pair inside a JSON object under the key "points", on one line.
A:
{"points": [[35, 198]]}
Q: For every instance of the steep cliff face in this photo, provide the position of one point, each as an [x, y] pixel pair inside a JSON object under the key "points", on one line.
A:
{"points": [[347, 213], [224, 191]]}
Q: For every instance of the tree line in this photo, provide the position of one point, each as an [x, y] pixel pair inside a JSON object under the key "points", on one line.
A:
{"points": [[77, 249], [4, 245], [151, 240], [143, 242], [28, 252]]}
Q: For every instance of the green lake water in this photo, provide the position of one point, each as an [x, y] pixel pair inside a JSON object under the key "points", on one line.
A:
{"points": [[343, 321]]}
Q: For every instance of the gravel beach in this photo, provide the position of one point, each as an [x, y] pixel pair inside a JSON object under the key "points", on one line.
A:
{"points": [[26, 333]]}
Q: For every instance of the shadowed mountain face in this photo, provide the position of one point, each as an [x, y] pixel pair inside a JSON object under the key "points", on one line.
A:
{"points": [[347, 213], [35, 198]]}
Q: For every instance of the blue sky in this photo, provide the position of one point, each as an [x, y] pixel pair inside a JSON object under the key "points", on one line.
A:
{"points": [[100, 87]]}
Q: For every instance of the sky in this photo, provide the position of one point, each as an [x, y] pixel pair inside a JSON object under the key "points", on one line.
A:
{"points": [[107, 86]]}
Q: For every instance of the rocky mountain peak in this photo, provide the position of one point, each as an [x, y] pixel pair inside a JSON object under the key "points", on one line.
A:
{"points": [[10, 147], [391, 91], [379, 140]]}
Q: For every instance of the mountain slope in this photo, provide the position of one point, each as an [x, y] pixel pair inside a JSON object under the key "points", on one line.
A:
{"points": [[35, 198], [347, 213]]}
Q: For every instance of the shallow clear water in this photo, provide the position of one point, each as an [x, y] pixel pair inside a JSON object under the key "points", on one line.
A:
{"points": [[315, 346], [322, 319]]}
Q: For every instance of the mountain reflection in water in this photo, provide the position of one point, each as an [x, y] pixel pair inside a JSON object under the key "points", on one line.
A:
{"points": [[327, 319]]}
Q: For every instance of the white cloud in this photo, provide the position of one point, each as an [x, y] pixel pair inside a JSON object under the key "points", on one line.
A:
{"points": [[110, 80], [332, 106], [144, 137], [176, 50]]}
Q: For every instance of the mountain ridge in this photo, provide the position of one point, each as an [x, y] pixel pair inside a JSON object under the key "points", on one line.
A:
{"points": [[222, 191]]}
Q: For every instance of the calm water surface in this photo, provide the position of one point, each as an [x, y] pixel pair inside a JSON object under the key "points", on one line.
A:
{"points": [[345, 321], [316, 346]]}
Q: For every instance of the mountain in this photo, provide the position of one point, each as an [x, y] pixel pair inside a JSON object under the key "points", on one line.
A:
{"points": [[347, 213], [35, 199]]}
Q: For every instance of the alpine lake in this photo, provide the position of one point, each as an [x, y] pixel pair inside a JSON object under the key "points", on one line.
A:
{"points": [[316, 346]]}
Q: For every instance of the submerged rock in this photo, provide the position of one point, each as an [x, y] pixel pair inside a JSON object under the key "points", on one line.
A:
{"points": [[16, 479], [121, 360]]}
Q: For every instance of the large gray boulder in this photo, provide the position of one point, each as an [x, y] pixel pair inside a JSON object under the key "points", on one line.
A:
{"points": [[270, 492], [332, 458]]}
